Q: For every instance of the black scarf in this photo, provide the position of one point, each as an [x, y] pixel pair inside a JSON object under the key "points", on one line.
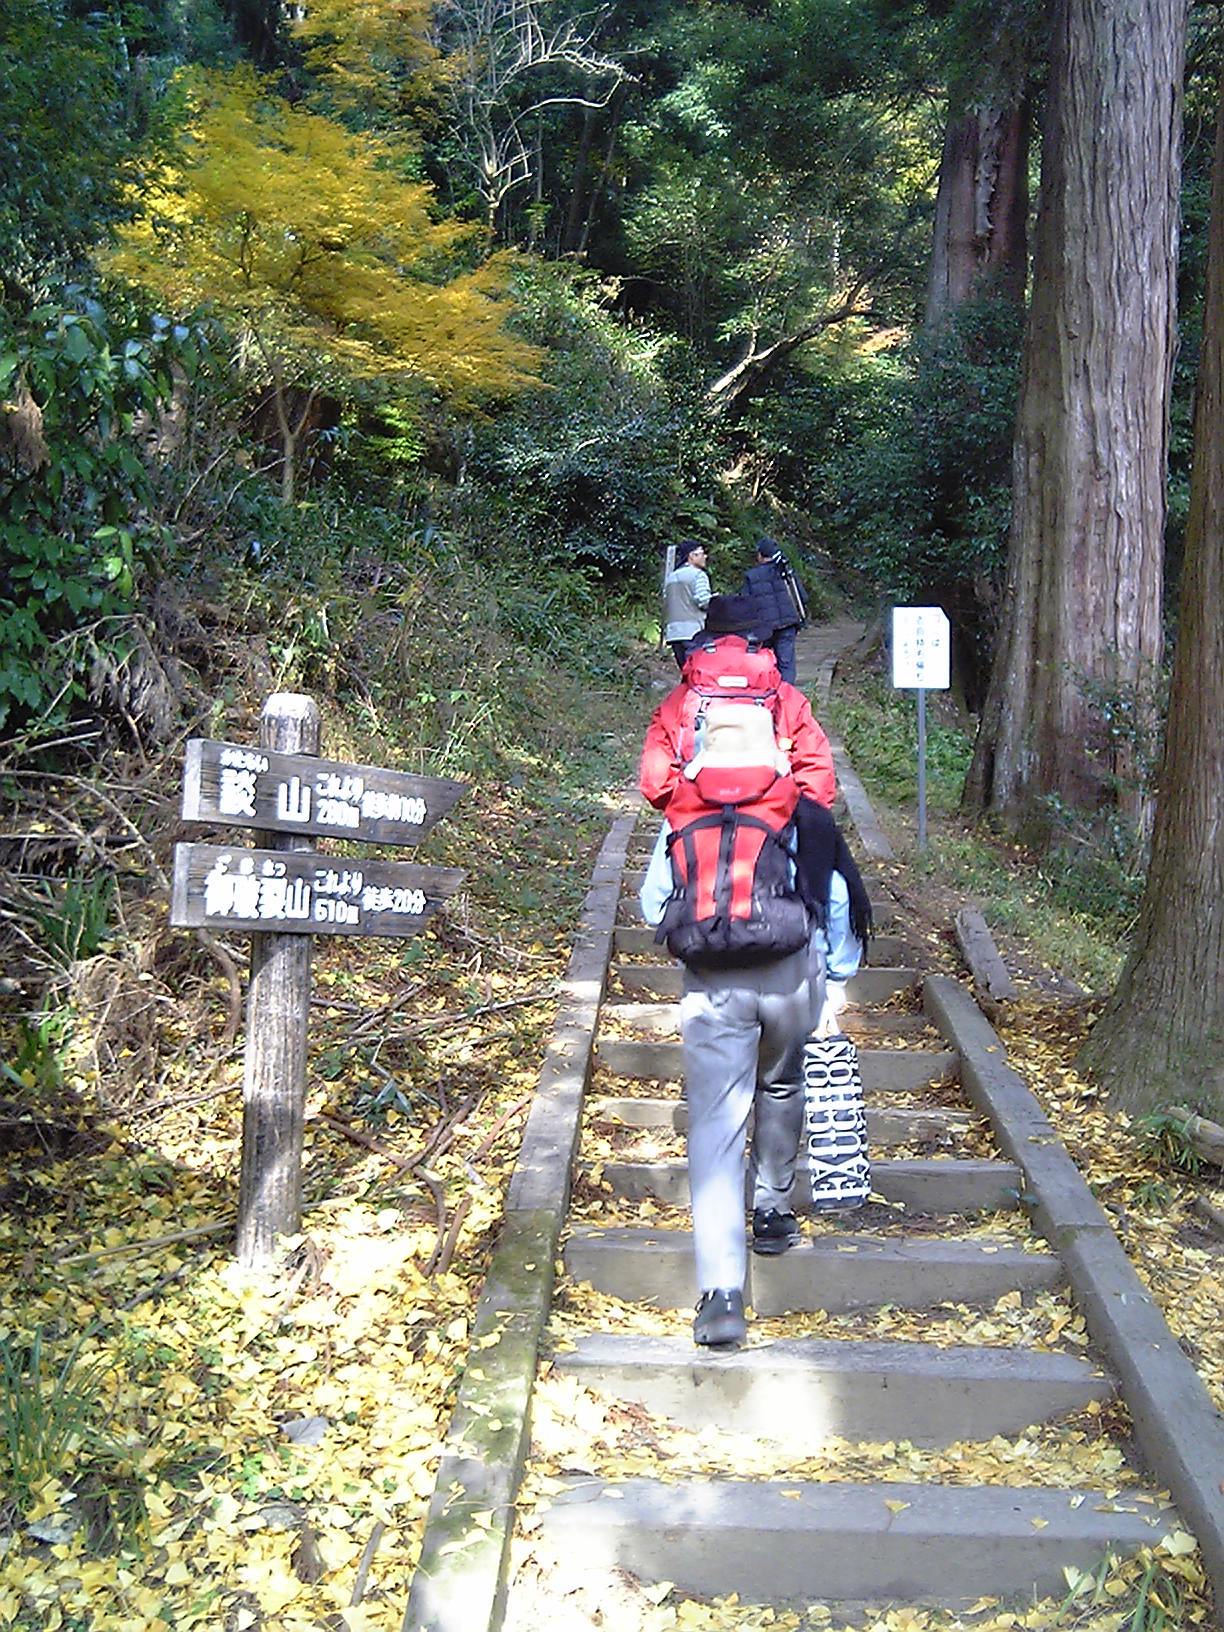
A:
{"points": [[821, 850]]}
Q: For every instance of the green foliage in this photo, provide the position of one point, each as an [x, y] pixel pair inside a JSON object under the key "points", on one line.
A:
{"points": [[76, 384], [63, 128], [39, 1054], [909, 467], [1074, 904], [779, 156], [597, 468], [1152, 1599], [881, 733], [53, 1418], [1165, 1137], [77, 916], [1094, 863], [1016, 897], [452, 645]]}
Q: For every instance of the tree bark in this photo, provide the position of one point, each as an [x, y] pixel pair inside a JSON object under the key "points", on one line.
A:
{"points": [[1082, 605], [278, 1006], [1161, 1038], [980, 240], [578, 183]]}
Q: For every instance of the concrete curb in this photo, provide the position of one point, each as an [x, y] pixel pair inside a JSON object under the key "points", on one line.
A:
{"points": [[1176, 1425], [871, 835], [460, 1580]]}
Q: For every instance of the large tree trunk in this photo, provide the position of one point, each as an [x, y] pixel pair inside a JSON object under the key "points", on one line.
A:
{"points": [[1082, 605], [1161, 1040], [578, 184], [980, 240]]}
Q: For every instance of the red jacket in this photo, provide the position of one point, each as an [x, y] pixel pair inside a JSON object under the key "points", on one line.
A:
{"points": [[670, 742]]}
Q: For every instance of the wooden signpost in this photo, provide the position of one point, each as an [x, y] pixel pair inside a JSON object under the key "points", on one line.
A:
{"points": [[283, 893], [300, 892], [254, 787]]}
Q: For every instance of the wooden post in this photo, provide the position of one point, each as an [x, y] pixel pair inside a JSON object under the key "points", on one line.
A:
{"points": [[274, 1088]]}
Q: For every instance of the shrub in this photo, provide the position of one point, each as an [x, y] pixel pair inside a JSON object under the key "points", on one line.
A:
{"points": [[601, 466], [76, 385]]}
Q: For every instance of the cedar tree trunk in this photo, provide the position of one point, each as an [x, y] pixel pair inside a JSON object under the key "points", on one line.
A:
{"points": [[1161, 1039], [1083, 595], [980, 241]]}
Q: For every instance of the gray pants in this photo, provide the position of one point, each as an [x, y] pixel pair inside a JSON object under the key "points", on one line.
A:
{"points": [[744, 1031]]}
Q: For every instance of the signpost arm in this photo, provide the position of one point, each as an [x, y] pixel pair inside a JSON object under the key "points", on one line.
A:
{"points": [[922, 832], [278, 1005]]}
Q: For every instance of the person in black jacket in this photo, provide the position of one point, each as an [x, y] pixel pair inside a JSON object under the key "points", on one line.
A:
{"points": [[781, 606]]}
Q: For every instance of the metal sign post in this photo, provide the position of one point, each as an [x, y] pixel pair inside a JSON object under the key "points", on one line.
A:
{"points": [[921, 659]]}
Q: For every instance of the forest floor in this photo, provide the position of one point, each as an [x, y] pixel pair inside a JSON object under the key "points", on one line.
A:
{"points": [[204, 1449]]}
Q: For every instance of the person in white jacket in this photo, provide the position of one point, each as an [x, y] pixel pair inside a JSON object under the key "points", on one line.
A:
{"points": [[686, 594]]}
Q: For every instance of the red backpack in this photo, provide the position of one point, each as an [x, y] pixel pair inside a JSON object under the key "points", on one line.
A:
{"points": [[734, 900]]}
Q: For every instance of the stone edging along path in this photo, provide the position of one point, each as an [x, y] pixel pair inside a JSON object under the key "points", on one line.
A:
{"points": [[460, 1577], [1178, 1429]]}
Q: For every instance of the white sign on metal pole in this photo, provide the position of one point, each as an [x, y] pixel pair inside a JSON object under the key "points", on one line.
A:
{"points": [[921, 658], [921, 647]]}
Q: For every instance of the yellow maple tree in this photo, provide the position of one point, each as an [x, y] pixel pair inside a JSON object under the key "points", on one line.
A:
{"points": [[363, 50], [304, 235]]}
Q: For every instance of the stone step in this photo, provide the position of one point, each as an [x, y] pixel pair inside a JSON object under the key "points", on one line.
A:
{"points": [[877, 983], [667, 980], [884, 1070], [789, 1541], [834, 1274], [885, 1128], [937, 1187], [634, 938], [888, 949], [804, 1392], [663, 1020]]}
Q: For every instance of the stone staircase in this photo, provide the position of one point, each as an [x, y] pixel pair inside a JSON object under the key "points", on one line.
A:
{"points": [[945, 1233]]}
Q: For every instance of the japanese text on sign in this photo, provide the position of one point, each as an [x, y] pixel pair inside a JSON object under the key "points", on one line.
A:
{"points": [[300, 892], [921, 648], [238, 886], [225, 782], [335, 800]]}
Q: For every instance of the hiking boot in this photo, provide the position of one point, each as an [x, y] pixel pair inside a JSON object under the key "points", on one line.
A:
{"points": [[773, 1232], [720, 1318]]}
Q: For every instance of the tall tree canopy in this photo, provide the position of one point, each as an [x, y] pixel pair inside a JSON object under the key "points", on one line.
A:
{"points": [[64, 133]]}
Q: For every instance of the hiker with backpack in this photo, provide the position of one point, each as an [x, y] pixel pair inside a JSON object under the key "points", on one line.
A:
{"points": [[781, 603], [740, 887], [686, 594], [670, 739]]}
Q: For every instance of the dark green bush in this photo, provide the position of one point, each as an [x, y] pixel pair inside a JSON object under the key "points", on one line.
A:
{"points": [[77, 386], [604, 466], [902, 459]]}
